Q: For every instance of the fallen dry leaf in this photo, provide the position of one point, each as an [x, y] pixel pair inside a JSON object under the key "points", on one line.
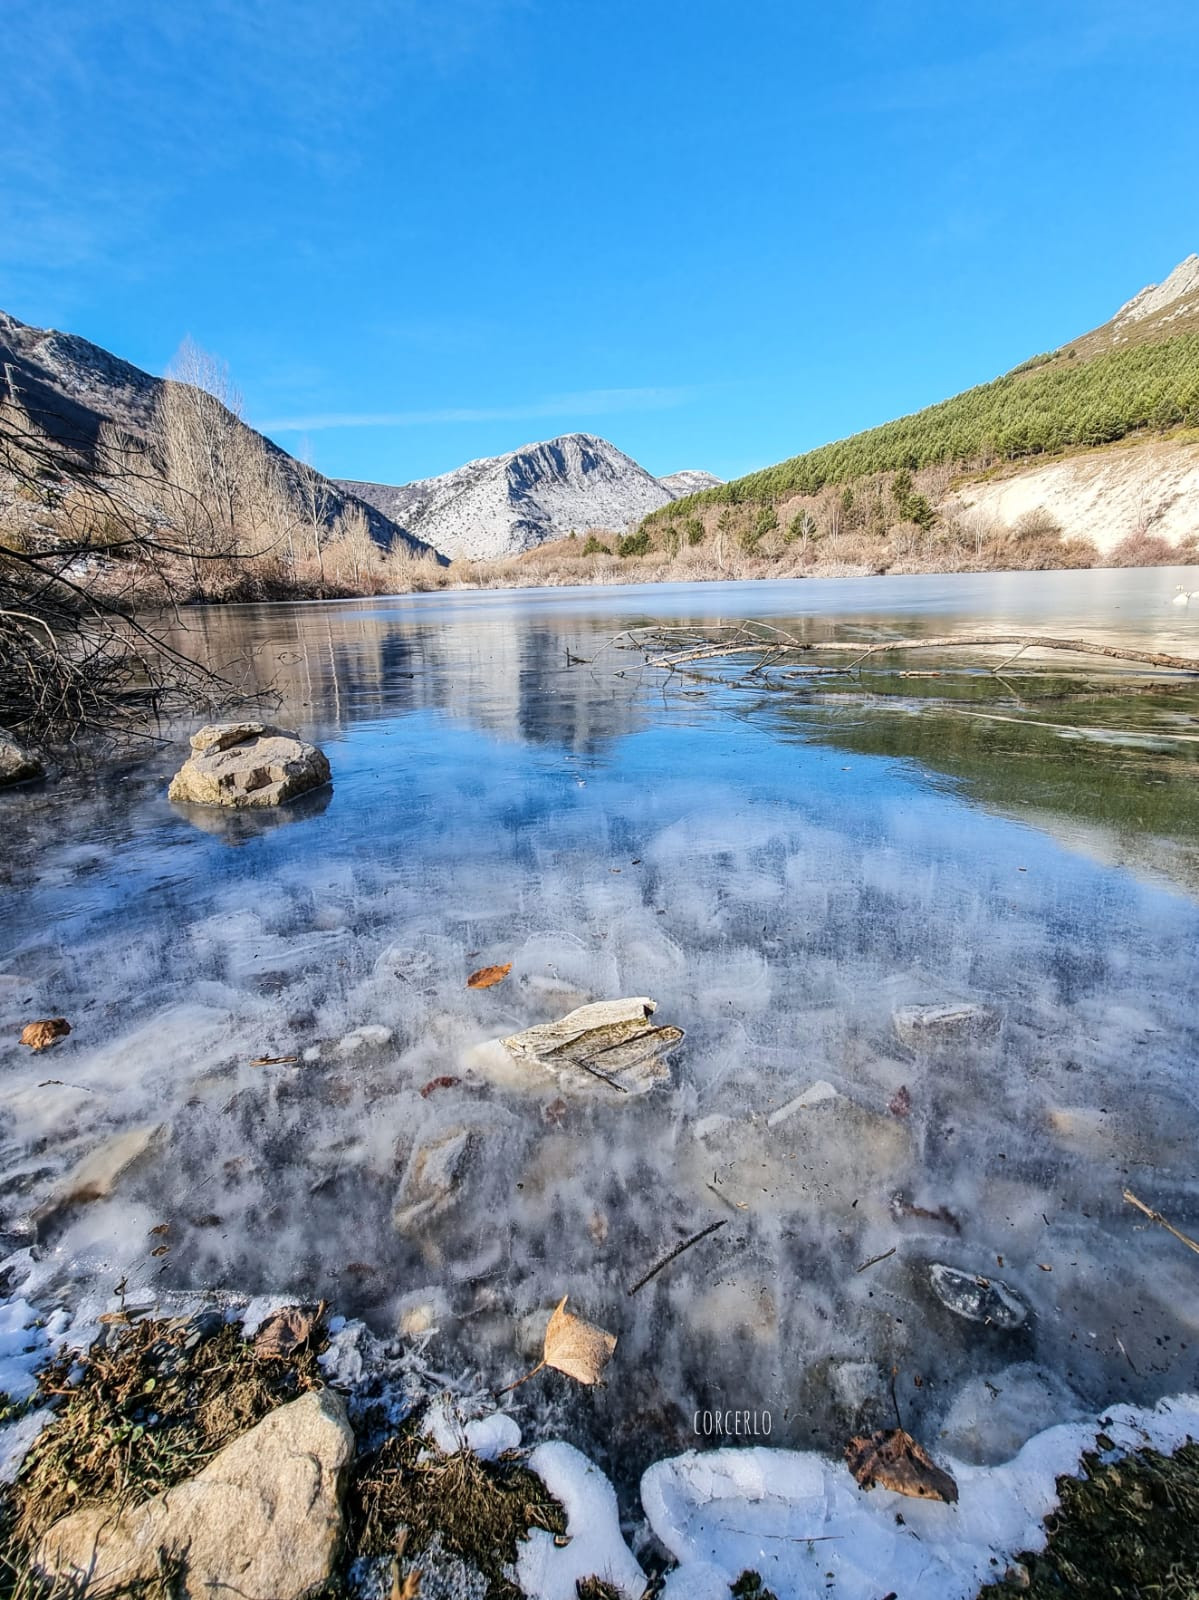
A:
{"points": [[285, 1330], [274, 1061], [900, 1103], [444, 1082], [577, 1348], [406, 1588], [555, 1112], [161, 1228], [893, 1460], [487, 976], [41, 1035]]}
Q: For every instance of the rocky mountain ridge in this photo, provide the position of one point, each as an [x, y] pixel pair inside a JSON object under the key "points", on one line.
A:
{"points": [[503, 505], [71, 389]]}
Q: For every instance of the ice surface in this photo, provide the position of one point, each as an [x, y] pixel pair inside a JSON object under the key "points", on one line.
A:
{"points": [[780, 898]]}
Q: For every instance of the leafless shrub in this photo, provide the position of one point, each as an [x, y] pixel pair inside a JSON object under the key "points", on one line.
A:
{"points": [[1143, 549]]}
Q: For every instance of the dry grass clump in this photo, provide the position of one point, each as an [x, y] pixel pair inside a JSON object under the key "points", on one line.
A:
{"points": [[151, 1409], [405, 1494], [1126, 1530]]}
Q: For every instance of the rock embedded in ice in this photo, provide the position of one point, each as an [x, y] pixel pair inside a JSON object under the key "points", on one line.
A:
{"points": [[608, 1048], [927, 1027], [262, 1520], [18, 765], [977, 1298], [370, 1037], [247, 764], [433, 1178], [97, 1175], [816, 1094], [818, 1159]]}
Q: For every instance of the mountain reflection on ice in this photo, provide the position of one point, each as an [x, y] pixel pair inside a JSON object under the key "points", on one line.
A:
{"points": [[611, 835]]}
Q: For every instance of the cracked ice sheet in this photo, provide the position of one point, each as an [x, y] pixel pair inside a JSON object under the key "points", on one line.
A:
{"points": [[721, 1512]]}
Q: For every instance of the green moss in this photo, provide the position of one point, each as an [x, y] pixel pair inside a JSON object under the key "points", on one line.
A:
{"points": [[1125, 1530]]}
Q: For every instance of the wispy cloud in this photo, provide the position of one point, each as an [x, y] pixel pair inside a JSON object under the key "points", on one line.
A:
{"points": [[587, 402]]}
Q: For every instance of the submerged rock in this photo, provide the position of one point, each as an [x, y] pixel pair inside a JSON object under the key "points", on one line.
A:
{"points": [[262, 1520], [813, 1154], [433, 1178], [247, 764], [610, 1047], [991, 1418], [97, 1175], [18, 765], [978, 1299], [926, 1027]]}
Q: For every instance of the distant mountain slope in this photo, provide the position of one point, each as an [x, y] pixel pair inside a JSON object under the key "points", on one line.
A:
{"points": [[1138, 371], [690, 481], [71, 388], [502, 505]]}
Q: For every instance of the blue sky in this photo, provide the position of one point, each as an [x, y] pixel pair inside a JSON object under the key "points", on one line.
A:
{"points": [[421, 231]]}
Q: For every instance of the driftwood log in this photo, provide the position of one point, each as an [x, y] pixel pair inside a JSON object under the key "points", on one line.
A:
{"points": [[776, 643]]}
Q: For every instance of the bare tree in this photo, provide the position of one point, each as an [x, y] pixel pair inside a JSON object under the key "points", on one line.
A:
{"points": [[74, 537]]}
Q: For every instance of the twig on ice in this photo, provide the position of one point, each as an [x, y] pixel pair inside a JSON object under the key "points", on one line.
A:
{"points": [[677, 1251], [1156, 1216]]}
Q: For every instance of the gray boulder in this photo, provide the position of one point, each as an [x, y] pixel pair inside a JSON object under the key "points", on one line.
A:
{"points": [[262, 1520], [17, 765], [247, 764]]}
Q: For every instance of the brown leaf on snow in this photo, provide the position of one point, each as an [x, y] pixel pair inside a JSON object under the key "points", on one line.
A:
{"points": [[893, 1460], [285, 1330], [487, 976], [41, 1035], [577, 1348]]}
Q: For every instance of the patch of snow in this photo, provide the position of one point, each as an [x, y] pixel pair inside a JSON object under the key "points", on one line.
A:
{"points": [[546, 1571], [795, 1518]]}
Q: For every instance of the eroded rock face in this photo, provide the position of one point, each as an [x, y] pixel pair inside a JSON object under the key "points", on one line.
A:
{"points": [[262, 1520], [247, 764], [17, 765]]}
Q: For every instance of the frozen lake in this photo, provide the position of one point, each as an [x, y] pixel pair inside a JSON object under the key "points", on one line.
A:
{"points": [[780, 871]]}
